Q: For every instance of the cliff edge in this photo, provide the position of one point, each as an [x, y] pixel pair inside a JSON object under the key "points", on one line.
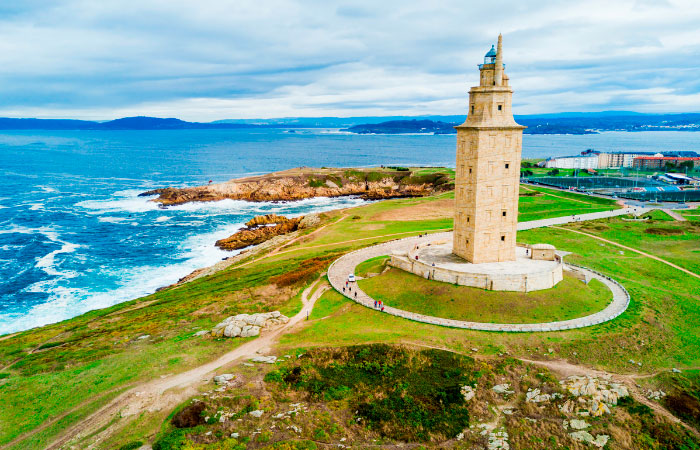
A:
{"points": [[304, 182]]}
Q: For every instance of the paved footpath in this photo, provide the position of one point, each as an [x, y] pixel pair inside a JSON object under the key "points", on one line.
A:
{"points": [[345, 265]]}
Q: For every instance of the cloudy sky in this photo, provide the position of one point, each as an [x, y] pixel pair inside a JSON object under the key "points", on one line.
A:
{"points": [[216, 59]]}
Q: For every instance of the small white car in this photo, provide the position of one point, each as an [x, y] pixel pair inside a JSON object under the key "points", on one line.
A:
{"points": [[351, 277]]}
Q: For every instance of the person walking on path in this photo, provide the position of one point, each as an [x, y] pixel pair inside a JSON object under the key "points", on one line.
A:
{"points": [[343, 289], [355, 295], [382, 308], [375, 303]]}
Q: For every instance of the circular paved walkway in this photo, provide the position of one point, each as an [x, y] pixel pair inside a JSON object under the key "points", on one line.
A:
{"points": [[345, 265]]}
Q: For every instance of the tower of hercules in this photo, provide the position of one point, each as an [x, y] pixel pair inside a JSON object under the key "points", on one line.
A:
{"points": [[489, 145]]}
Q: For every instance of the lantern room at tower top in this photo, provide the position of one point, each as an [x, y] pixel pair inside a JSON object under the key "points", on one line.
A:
{"points": [[490, 57]]}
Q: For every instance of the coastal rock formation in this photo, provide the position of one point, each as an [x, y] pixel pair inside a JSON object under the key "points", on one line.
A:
{"points": [[247, 325], [258, 230], [302, 183]]}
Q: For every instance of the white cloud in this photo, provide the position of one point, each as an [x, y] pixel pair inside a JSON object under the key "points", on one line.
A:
{"points": [[210, 59]]}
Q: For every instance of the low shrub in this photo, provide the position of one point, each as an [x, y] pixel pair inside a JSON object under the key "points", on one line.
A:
{"points": [[131, 445], [173, 440], [292, 445], [402, 394], [316, 182], [685, 406], [664, 231], [305, 271], [189, 416], [50, 345]]}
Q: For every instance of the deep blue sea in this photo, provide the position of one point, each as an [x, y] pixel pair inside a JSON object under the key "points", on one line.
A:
{"points": [[75, 236]]}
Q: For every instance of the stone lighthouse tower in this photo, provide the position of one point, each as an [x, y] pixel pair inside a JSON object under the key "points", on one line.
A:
{"points": [[489, 145]]}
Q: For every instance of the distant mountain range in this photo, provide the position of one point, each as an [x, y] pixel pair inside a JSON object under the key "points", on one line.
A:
{"points": [[549, 124], [559, 123]]}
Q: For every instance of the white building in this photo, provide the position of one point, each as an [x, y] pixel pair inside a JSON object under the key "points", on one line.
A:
{"points": [[616, 160], [573, 162]]}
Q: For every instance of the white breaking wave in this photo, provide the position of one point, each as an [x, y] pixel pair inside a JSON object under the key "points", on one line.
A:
{"points": [[48, 262], [129, 201], [122, 201], [47, 189], [112, 219], [193, 252], [63, 302]]}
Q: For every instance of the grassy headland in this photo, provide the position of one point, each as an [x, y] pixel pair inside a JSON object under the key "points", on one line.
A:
{"points": [[54, 376]]}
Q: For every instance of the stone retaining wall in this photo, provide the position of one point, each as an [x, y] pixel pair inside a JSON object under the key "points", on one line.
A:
{"points": [[493, 282], [340, 268]]}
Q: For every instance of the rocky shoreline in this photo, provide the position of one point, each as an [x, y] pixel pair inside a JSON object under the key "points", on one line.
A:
{"points": [[263, 228], [302, 183]]}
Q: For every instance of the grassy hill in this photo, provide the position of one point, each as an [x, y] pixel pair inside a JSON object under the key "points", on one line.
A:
{"points": [[55, 376]]}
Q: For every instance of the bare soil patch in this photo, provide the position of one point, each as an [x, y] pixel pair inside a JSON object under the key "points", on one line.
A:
{"points": [[664, 231], [439, 209]]}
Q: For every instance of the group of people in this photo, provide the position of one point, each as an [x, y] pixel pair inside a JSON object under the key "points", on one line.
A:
{"points": [[377, 304], [349, 288]]}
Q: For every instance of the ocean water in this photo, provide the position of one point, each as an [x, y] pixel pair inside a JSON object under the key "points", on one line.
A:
{"points": [[75, 236]]}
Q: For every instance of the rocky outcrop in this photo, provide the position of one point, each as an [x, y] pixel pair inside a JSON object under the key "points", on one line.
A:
{"points": [[302, 183], [258, 230], [267, 219], [596, 395], [584, 436], [247, 325], [467, 392]]}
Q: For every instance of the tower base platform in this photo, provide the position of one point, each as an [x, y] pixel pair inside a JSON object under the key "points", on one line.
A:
{"points": [[435, 261]]}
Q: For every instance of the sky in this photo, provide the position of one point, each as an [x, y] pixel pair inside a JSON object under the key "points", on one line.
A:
{"points": [[206, 60]]}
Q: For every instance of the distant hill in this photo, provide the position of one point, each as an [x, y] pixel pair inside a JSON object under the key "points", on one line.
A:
{"points": [[337, 122], [566, 123], [126, 123], [404, 126]]}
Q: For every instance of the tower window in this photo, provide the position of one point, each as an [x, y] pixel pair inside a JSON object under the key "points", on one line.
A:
{"points": [[467, 219], [503, 237], [470, 170], [504, 213], [472, 109], [507, 165], [500, 107]]}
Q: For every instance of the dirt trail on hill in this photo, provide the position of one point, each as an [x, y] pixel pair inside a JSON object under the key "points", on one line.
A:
{"points": [[166, 393]]}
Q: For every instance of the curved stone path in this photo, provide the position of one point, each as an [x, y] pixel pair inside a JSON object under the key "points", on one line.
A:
{"points": [[345, 265]]}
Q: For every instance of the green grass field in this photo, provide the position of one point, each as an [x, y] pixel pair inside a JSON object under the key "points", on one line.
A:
{"points": [[569, 299], [65, 371], [690, 214], [657, 214], [658, 329], [548, 203]]}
